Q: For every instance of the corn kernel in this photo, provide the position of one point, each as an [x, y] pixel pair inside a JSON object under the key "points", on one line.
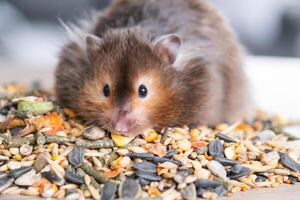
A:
{"points": [[17, 157], [120, 140], [150, 135], [54, 157]]}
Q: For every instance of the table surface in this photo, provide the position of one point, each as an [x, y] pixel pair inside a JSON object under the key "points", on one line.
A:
{"points": [[259, 79]]}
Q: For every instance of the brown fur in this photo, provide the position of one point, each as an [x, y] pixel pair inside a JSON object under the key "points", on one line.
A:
{"points": [[205, 85]]}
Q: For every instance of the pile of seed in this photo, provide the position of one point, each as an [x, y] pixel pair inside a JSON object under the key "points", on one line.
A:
{"points": [[45, 151]]}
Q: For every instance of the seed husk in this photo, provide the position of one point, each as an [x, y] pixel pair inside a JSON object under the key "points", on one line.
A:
{"points": [[146, 156], [289, 162], [99, 144], [19, 172], [237, 168], [189, 192], [205, 183], [96, 174], [109, 191], [215, 148], [5, 182], [40, 162], [75, 156], [145, 166], [74, 178], [224, 137], [129, 189], [170, 154], [243, 172], [225, 161], [40, 138], [157, 160], [53, 178], [148, 175]]}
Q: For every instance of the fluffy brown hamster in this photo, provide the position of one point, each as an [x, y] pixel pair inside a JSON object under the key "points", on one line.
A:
{"points": [[150, 64]]}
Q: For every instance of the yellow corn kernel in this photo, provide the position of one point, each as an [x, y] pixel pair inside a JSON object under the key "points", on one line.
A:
{"points": [[120, 140], [150, 135], [54, 157], [17, 157]]}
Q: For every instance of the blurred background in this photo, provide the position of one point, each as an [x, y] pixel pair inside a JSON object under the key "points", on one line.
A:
{"points": [[30, 38]]}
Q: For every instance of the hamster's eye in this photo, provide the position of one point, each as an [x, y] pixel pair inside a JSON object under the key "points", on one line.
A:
{"points": [[106, 90], [143, 91]]}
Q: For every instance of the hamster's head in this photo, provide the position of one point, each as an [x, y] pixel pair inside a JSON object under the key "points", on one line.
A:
{"points": [[132, 84]]}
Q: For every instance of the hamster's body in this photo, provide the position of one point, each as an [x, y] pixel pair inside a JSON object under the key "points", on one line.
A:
{"points": [[181, 54]]}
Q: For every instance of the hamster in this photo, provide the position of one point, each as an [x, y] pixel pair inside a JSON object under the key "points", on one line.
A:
{"points": [[143, 64]]}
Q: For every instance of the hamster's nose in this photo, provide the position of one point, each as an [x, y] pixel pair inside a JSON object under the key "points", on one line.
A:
{"points": [[123, 124]]}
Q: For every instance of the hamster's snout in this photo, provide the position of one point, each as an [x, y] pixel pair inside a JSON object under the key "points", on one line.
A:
{"points": [[122, 120]]}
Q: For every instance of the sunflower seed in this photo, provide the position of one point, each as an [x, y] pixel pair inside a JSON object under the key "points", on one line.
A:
{"points": [[5, 182], [220, 190], [224, 137], [109, 191], [217, 169], [129, 189], [215, 148], [243, 172], [289, 162], [157, 160], [260, 178], [74, 178], [19, 172], [225, 161], [189, 192], [148, 175], [75, 156], [53, 178], [237, 168], [205, 183], [170, 154], [93, 133], [145, 166], [143, 181], [293, 179], [147, 156]]}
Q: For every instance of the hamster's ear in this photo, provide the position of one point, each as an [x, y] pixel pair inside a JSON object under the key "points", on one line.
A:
{"points": [[93, 43], [167, 47]]}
